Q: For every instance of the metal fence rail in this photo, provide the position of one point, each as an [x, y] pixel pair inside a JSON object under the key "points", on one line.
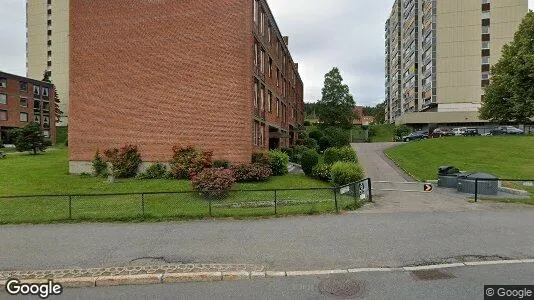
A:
{"points": [[182, 204]]}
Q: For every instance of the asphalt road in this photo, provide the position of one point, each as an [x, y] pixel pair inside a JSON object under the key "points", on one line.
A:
{"points": [[298, 243], [463, 283]]}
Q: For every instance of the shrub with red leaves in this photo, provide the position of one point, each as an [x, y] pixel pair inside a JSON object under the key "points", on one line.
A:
{"points": [[124, 161], [251, 172], [187, 161], [213, 182]]}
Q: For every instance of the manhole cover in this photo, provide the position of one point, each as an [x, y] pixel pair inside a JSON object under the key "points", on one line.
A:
{"points": [[431, 275], [340, 287]]}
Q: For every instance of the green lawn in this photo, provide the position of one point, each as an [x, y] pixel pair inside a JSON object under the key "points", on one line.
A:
{"points": [[47, 174], [510, 157]]}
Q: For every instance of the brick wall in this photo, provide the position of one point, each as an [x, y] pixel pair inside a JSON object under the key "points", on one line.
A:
{"points": [[158, 73], [14, 108]]}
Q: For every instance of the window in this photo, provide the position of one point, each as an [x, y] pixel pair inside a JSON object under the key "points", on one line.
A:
{"points": [[23, 102], [269, 33], [37, 119], [256, 54], [45, 92], [46, 133], [262, 22], [3, 115], [3, 99], [256, 11], [49, 32], [46, 105], [269, 101], [255, 94], [262, 95], [485, 75], [262, 61], [36, 90], [23, 117], [485, 15], [485, 29], [49, 53], [270, 67], [485, 60], [277, 77], [49, 63], [23, 86], [3, 83], [485, 45], [36, 104], [49, 11], [49, 2], [278, 107], [49, 22]]}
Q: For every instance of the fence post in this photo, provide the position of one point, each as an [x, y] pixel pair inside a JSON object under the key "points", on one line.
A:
{"points": [[275, 206], [356, 193], [335, 200], [70, 207], [476, 189], [370, 189], [143, 205]]}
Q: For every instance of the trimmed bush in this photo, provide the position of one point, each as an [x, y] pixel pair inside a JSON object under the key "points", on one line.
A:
{"points": [[346, 172], [325, 142], [332, 155], [155, 171], [100, 167], [322, 172], [316, 134], [309, 159], [221, 163], [279, 161], [261, 157], [338, 136], [308, 143], [188, 161], [251, 172], [124, 161], [213, 182]]}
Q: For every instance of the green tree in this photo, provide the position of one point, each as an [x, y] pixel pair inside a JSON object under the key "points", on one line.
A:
{"points": [[57, 110], [510, 95], [380, 113], [336, 107], [30, 138]]}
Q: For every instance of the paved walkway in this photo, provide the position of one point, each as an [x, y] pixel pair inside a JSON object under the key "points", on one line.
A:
{"points": [[379, 167]]}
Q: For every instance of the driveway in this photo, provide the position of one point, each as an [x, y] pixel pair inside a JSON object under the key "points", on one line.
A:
{"points": [[380, 168]]}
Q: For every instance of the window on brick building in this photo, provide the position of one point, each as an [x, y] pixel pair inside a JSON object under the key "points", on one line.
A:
{"points": [[256, 54], [3, 99], [23, 117], [45, 92], [36, 90], [278, 107], [277, 77], [262, 22], [256, 4], [3, 115], [269, 101], [255, 94], [23, 102], [270, 67], [262, 95], [23, 86], [3, 83], [269, 32], [262, 61], [46, 133]]}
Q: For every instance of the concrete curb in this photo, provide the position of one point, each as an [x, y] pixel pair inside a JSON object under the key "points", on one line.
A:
{"points": [[163, 278]]}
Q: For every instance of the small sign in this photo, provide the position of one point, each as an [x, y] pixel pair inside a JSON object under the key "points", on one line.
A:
{"points": [[428, 187], [528, 183], [344, 190], [363, 196]]}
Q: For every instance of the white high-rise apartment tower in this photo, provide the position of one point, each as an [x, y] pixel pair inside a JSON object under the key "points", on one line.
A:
{"points": [[47, 45], [438, 57]]}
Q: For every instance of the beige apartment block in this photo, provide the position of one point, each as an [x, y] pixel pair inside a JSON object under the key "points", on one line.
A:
{"points": [[47, 46], [447, 49]]}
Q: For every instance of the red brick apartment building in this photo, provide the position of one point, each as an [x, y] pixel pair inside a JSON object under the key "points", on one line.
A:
{"points": [[24, 100], [216, 74]]}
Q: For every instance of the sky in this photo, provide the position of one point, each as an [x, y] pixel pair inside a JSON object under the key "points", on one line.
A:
{"points": [[348, 34]]}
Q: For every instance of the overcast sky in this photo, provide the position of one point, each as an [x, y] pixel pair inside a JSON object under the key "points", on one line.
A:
{"points": [[348, 34]]}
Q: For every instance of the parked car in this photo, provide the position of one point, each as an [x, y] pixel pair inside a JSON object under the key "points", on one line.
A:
{"points": [[471, 132], [459, 130], [506, 130], [440, 132], [415, 136]]}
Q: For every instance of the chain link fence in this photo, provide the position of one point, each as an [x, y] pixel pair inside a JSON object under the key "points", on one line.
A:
{"points": [[181, 205]]}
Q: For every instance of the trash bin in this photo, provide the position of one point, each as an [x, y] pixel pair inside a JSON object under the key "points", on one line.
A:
{"points": [[448, 176], [487, 184]]}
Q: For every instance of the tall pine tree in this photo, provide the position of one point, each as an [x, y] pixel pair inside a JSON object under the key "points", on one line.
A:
{"points": [[57, 110], [336, 107]]}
